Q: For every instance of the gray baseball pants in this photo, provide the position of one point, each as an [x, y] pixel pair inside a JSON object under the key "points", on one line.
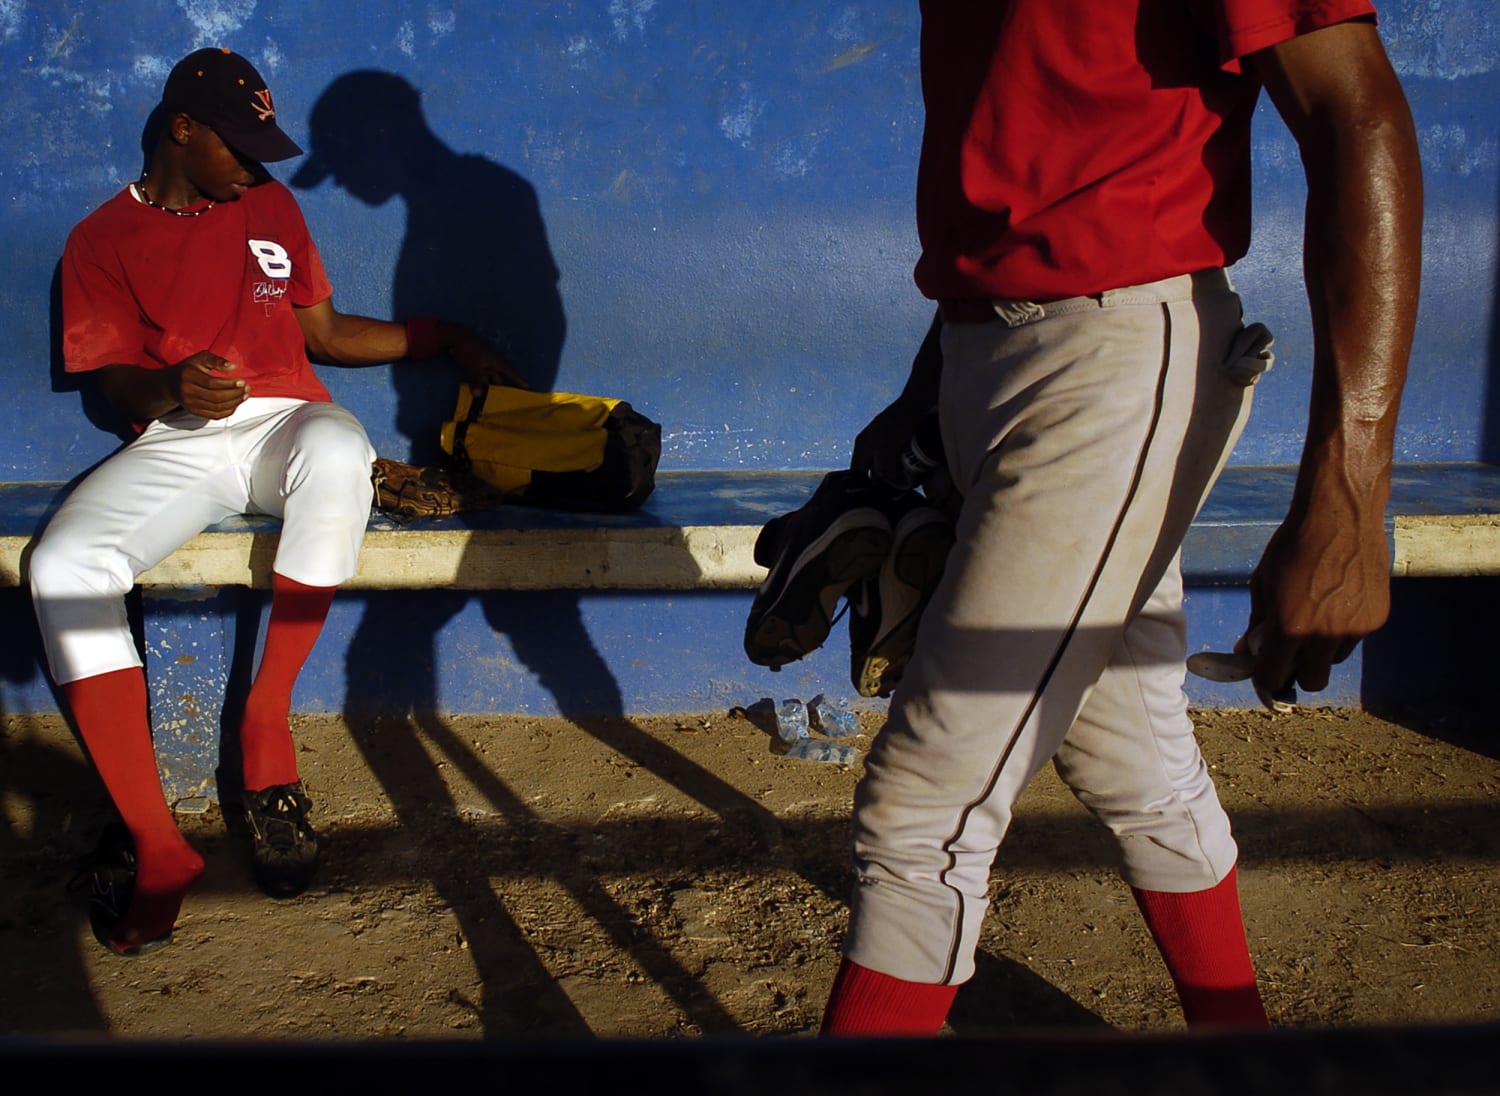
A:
{"points": [[1084, 435]]}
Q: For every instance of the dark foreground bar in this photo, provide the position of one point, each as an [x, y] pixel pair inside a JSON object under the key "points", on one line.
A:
{"points": [[1395, 1061]]}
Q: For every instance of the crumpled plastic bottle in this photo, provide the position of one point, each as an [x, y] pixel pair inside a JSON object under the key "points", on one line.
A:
{"points": [[835, 718], [817, 749], [791, 721]]}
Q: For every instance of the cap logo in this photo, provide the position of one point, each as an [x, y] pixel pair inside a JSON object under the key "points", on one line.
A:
{"points": [[263, 108]]}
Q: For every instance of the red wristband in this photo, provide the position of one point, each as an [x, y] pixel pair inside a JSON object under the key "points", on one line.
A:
{"points": [[422, 337]]}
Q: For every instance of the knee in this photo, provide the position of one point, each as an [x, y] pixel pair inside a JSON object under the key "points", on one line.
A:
{"points": [[335, 455], [1173, 841], [58, 567], [48, 568]]}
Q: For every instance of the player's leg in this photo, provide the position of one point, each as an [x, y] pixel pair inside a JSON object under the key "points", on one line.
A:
{"points": [[313, 471], [1173, 836], [125, 517], [1132, 758], [1067, 440]]}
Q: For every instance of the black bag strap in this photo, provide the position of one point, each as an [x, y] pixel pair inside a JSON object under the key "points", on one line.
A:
{"points": [[460, 457]]}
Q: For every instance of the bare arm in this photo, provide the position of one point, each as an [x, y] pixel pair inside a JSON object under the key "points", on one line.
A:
{"points": [[877, 448], [203, 384], [336, 338], [1324, 580]]}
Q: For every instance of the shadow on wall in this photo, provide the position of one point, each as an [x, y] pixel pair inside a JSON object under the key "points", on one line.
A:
{"points": [[476, 253]]}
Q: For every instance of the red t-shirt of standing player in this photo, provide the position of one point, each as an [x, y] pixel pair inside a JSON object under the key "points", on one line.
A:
{"points": [[1074, 146], [143, 286]]}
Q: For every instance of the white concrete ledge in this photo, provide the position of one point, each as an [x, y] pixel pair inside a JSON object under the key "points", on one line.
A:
{"points": [[690, 558], [698, 532], [1446, 547]]}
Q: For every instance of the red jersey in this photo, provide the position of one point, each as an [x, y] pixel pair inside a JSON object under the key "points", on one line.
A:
{"points": [[1074, 146], [142, 286]]}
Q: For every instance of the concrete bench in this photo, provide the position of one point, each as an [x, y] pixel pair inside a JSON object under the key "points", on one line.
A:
{"points": [[697, 532]]}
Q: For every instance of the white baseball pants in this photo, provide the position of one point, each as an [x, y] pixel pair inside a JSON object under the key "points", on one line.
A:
{"points": [[1084, 435], [306, 463]]}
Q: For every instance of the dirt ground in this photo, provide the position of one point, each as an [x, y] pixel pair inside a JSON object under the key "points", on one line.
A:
{"points": [[675, 877]]}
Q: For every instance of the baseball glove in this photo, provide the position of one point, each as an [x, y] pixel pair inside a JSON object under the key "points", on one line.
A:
{"points": [[406, 491]]}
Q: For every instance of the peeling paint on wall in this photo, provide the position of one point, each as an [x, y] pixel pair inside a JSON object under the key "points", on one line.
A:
{"points": [[216, 22], [152, 70], [851, 56], [441, 22], [628, 14], [727, 191], [578, 49], [10, 19], [1441, 39], [738, 124], [1452, 148]]}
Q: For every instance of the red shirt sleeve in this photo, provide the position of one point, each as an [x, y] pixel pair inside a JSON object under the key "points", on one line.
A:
{"points": [[1245, 26], [101, 318]]}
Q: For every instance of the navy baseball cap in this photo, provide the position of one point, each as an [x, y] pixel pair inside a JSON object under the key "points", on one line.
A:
{"points": [[222, 90]]}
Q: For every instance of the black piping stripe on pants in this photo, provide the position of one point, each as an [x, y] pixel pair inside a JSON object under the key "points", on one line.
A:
{"points": [[1066, 638]]}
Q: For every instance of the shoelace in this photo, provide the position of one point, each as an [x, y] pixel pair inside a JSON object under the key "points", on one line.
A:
{"points": [[285, 817]]}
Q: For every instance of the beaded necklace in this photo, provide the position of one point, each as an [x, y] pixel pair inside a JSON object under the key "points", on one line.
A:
{"points": [[140, 191]]}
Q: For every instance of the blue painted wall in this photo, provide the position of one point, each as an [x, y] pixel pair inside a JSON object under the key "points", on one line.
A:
{"points": [[704, 208]]}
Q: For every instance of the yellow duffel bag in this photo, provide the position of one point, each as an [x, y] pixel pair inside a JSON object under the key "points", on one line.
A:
{"points": [[558, 449]]}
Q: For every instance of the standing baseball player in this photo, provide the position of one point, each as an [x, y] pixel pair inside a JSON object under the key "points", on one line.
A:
{"points": [[195, 296], [1084, 182]]}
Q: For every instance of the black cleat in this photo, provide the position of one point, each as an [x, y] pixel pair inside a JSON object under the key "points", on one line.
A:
{"points": [[111, 882], [284, 848], [884, 611], [814, 555]]}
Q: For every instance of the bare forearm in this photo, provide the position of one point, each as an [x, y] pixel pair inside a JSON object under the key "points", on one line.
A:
{"points": [[356, 340], [1363, 267], [878, 447], [921, 389], [338, 339], [1323, 582], [141, 394]]}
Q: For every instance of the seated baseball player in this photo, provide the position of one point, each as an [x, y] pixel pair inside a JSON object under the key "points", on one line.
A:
{"points": [[196, 298]]}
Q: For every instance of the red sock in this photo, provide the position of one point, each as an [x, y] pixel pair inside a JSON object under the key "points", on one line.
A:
{"points": [[866, 1002], [297, 615], [1201, 935], [110, 713]]}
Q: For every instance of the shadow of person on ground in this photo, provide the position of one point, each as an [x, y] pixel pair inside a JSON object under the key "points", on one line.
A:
{"points": [[55, 809], [1005, 995], [476, 253], [1428, 669]]}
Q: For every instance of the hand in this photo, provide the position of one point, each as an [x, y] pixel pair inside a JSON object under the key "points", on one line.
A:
{"points": [[1322, 585], [204, 388], [878, 447], [482, 364]]}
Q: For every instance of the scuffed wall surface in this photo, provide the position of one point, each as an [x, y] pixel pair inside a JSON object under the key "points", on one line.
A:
{"points": [[725, 196], [705, 208]]}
